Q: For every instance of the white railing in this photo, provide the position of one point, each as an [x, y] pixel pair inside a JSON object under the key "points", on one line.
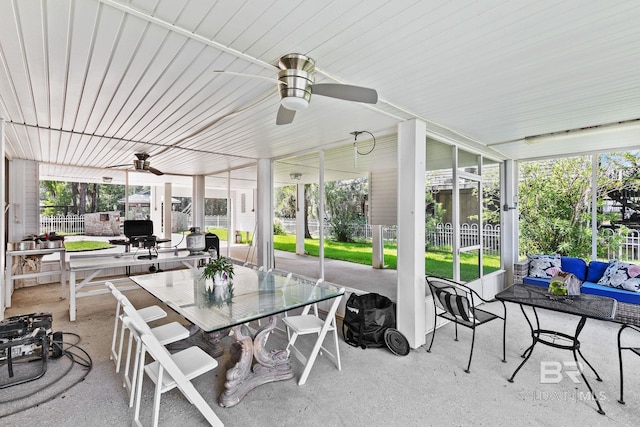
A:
{"points": [[442, 236], [68, 224], [74, 224], [629, 250], [215, 221], [361, 231]]}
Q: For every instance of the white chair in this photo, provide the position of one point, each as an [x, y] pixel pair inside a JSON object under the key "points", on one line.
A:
{"points": [[165, 334], [267, 273], [305, 324], [149, 314], [287, 279], [169, 371]]}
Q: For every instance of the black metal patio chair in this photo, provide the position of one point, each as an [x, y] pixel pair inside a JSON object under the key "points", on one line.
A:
{"points": [[457, 303], [634, 349]]}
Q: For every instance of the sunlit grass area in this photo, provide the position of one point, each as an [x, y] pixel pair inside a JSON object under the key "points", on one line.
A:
{"points": [[438, 263], [85, 245]]}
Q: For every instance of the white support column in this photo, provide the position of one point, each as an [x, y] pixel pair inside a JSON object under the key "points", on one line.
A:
{"points": [[321, 214], [411, 308], [126, 195], [197, 202], [264, 214], [231, 213], [594, 205], [3, 225], [509, 235], [377, 254], [455, 214], [167, 211], [300, 211]]}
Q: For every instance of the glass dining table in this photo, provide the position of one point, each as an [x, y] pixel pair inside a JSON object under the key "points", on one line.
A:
{"points": [[254, 295]]}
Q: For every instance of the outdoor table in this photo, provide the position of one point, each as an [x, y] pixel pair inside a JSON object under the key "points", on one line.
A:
{"points": [[62, 271], [256, 295], [98, 263], [584, 306]]}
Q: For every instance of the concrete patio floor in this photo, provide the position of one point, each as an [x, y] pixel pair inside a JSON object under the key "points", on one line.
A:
{"points": [[375, 387]]}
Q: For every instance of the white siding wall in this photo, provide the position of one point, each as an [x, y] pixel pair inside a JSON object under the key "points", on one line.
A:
{"points": [[24, 211], [383, 193]]}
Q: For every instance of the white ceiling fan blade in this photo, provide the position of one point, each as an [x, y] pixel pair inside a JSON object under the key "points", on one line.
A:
{"points": [[346, 92], [285, 116]]}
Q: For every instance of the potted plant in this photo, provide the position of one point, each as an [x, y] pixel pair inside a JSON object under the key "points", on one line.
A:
{"points": [[218, 277]]}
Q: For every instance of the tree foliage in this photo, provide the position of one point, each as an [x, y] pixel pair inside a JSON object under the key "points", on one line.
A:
{"points": [[555, 202], [620, 182], [285, 205], [434, 212], [61, 198], [491, 195], [215, 206], [285, 201], [345, 204]]}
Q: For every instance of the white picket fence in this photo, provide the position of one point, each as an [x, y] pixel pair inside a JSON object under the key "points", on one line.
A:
{"points": [[67, 224], [360, 231], [440, 237], [74, 224], [629, 250]]}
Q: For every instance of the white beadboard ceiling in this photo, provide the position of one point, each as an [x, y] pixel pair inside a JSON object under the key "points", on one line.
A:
{"points": [[85, 84]]}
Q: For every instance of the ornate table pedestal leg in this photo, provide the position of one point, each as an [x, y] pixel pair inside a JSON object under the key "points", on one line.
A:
{"points": [[200, 338], [244, 376], [214, 340]]}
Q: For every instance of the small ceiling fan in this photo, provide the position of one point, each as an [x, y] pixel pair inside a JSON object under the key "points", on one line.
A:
{"points": [[141, 164], [296, 84]]}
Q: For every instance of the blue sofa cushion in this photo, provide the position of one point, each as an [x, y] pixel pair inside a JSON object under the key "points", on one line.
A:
{"points": [[595, 270], [605, 291], [576, 266], [528, 280]]}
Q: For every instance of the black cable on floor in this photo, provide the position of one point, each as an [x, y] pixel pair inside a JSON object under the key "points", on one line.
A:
{"points": [[83, 361]]}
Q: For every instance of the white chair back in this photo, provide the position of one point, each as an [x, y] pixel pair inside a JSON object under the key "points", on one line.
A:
{"points": [[161, 355], [306, 324], [307, 308]]}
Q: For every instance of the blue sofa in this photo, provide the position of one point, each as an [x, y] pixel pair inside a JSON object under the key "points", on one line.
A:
{"points": [[589, 274]]}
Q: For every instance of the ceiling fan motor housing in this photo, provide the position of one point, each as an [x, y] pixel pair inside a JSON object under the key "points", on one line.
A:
{"points": [[296, 79], [142, 165]]}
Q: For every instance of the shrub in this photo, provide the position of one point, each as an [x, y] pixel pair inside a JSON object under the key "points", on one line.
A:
{"points": [[278, 228]]}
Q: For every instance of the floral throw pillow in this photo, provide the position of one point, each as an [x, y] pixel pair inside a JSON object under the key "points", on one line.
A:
{"points": [[621, 275], [544, 266]]}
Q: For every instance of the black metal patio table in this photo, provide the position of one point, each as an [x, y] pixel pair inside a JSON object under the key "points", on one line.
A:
{"points": [[585, 306]]}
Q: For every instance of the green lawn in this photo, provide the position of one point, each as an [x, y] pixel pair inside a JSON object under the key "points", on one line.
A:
{"points": [[222, 234], [438, 263], [85, 245]]}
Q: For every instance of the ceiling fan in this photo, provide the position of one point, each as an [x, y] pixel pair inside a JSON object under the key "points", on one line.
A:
{"points": [[296, 84], [141, 164]]}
